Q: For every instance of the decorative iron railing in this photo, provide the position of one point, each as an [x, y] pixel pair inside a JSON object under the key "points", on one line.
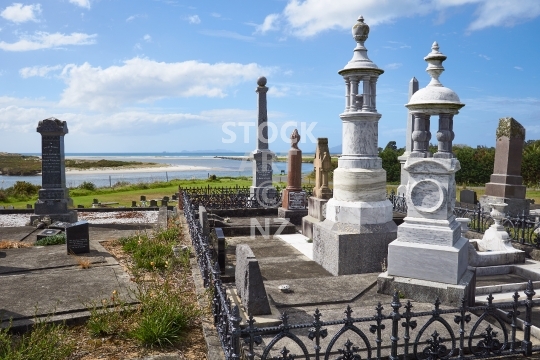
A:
{"points": [[457, 333], [235, 197], [521, 228]]}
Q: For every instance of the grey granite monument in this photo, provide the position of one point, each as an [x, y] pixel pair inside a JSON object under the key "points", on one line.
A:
{"points": [[249, 282], [262, 189], [429, 258], [354, 237], [53, 197], [321, 192], [506, 184], [402, 188]]}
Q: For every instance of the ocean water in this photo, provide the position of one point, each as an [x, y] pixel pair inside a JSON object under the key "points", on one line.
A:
{"points": [[198, 166]]}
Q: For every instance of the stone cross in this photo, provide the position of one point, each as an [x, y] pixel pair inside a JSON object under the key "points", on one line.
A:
{"points": [[323, 166], [53, 197]]}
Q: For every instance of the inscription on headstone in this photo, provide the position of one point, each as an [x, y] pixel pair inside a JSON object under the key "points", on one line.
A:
{"points": [[46, 233], [297, 200], [77, 238], [51, 162]]}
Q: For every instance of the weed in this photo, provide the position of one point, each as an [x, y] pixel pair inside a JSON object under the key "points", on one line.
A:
{"points": [[8, 244], [84, 262], [87, 185], [106, 319], [52, 240], [45, 341]]}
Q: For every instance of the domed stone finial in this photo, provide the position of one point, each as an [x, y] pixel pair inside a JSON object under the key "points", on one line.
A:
{"points": [[435, 59], [261, 81], [360, 30]]}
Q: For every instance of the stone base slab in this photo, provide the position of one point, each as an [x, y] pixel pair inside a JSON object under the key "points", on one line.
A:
{"points": [[317, 208], [69, 217], [307, 226], [445, 264], [506, 190], [515, 206], [343, 249], [429, 291], [294, 216], [358, 213], [435, 232]]}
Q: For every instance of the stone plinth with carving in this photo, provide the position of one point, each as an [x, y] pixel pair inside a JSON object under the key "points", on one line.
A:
{"points": [[262, 189], [429, 258], [506, 183], [354, 237], [322, 165], [294, 198], [53, 197], [404, 178]]}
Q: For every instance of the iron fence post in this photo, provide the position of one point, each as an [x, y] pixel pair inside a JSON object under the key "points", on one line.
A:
{"points": [[395, 315], [526, 345]]}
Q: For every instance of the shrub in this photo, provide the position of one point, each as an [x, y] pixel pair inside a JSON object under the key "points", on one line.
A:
{"points": [[3, 196], [87, 185], [23, 189], [52, 240]]}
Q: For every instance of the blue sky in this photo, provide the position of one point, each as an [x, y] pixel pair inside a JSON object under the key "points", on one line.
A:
{"points": [[165, 75]]}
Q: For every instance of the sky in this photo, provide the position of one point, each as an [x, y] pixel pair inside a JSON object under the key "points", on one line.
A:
{"points": [[168, 76]]}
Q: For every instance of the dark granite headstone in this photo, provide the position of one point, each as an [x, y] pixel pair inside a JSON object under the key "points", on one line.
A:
{"points": [[28, 206], [80, 206], [77, 238], [134, 204], [143, 198], [153, 203], [164, 202], [46, 233], [218, 246], [95, 201], [468, 196]]}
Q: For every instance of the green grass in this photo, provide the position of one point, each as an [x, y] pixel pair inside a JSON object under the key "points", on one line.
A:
{"points": [[44, 341], [52, 240]]}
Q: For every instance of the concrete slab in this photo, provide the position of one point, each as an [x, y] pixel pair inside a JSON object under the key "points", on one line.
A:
{"points": [[299, 242], [320, 291]]}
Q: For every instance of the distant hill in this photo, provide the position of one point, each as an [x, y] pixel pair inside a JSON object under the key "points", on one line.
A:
{"points": [[335, 150], [207, 151]]}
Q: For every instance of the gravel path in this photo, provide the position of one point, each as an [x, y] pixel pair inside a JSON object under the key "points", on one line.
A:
{"points": [[120, 217]]}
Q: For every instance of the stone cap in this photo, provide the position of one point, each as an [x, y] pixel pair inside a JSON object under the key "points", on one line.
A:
{"points": [[435, 98], [360, 60], [52, 125], [510, 128]]}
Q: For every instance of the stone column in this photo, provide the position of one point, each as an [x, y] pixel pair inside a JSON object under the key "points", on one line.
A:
{"points": [[53, 197], [358, 227], [262, 190], [402, 188], [506, 184], [294, 198]]}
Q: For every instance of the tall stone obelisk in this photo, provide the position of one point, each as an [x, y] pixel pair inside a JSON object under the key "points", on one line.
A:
{"points": [[261, 188], [358, 227]]}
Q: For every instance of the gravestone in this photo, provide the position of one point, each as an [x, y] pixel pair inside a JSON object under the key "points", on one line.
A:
{"points": [[429, 258], [468, 196], [322, 165], [164, 202], [506, 184], [133, 203], [218, 246], [294, 198], [60, 225], [28, 206], [354, 237], [53, 197], [203, 219], [77, 238], [153, 203], [249, 282], [46, 233], [261, 188], [402, 188]]}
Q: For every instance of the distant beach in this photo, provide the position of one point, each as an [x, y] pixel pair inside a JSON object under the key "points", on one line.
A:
{"points": [[171, 166]]}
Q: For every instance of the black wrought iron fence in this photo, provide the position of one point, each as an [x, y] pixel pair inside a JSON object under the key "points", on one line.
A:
{"points": [[235, 197], [521, 228], [457, 333]]}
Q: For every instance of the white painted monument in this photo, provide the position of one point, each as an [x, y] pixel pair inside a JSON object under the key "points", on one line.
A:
{"points": [[429, 258], [358, 227]]}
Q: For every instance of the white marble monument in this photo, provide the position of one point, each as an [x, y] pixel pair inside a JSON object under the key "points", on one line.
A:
{"points": [[402, 188], [429, 258], [354, 237]]}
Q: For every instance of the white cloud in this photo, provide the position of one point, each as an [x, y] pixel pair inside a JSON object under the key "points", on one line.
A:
{"points": [[484, 56], [194, 19], [307, 18], [81, 3], [40, 71], [19, 13], [270, 23], [147, 38], [216, 15], [393, 66], [136, 16], [518, 68], [145, 80], [44, 40], [275, 91], [227, 34]]}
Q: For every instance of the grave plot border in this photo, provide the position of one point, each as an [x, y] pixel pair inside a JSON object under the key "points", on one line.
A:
{"points": [[480, 342]]}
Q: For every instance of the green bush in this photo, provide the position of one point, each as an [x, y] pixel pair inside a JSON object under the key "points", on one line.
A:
{"points": [[87, 185], [52, 240], [23, 189]]}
